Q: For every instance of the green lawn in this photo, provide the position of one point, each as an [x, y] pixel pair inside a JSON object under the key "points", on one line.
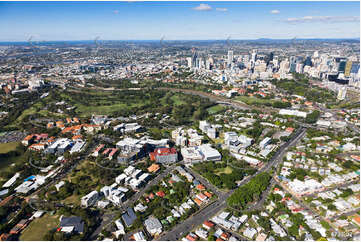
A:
{"points": [[226, 170], [253, 100], [73, 199], [215, 109], [38, 228], [104, 110], [177, 100], [6, 147]]}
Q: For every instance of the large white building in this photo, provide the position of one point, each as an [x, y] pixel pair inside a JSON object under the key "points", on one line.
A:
{"points": [[293, 113], [153, 226], [90, 199], [209, 153], [191, 155]]}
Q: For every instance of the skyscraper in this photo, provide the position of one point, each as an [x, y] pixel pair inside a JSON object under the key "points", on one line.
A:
{"points": [[308, 61], [230, 57], [194, 57], [348, 68], [254, 56]]}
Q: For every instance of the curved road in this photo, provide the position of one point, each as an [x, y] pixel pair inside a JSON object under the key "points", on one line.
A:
{"points": [[185, 227]]}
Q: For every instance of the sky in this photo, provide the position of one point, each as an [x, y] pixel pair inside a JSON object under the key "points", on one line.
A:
{"points": [[49, 21]]}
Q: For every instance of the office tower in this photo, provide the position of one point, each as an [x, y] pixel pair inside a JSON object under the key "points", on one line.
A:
{"points": [[230, 57], [293, 59], [189, 61], [254, 56], [342, 67], [194, 57], [348, 68], [284, 65], [271, 56], [208, 64], [293, 67], [315, 54], [342, 93], [199, 63], [355, 67], [308, 61], [299, 68]]}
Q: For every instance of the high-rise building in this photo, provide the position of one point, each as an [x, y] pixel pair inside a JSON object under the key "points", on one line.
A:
{"points": [[355, 67], [299, 68], [308, 61], [194, 58], [348, 68], [254, 56], [199, 63], [293, 67], [315, 54], [189, 62], [284, 66], [342, 67], [230, 57], [342, 93], [271, 56]]}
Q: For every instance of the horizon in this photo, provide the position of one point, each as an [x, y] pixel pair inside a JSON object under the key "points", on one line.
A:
{"points": [[80, 21], [186, 40]]}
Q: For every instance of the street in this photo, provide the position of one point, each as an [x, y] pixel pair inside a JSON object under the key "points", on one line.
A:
{"points": [[192, 222]]}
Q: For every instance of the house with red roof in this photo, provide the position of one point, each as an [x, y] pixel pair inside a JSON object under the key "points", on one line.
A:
{"points": [[200, 187], [208, 225], [160, 194]]}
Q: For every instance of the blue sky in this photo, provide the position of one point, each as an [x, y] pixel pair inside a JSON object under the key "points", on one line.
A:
{"points": [[46, 21]]}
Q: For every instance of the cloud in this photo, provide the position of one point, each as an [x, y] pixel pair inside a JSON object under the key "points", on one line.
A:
{"points": [[116, 11], [275, 11], [325, 19], [222, 9], [203, 7]]}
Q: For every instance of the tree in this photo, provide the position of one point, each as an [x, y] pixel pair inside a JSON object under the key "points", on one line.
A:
{"points": [[312, 117]]}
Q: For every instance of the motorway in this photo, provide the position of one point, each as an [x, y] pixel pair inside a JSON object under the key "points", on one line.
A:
{"points": [[192, 222]]}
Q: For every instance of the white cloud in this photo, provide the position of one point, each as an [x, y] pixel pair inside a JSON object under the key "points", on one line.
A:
{"points": [[203, 7], [222, 9], [325, 19], [116, 11], [275, 11]]}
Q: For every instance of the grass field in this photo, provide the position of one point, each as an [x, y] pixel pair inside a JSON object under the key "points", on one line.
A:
{"points": [[105, 110], [73, 199], [226, 170], [100, 103], [6, 147], [38, 228], [177, 100], [253, 100], [215, 109]]}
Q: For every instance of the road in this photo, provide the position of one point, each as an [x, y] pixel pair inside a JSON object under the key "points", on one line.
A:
{"points": [[334, 115], [205, 182], [185, 227], [153, 182], [334, 188], [107, 218]]}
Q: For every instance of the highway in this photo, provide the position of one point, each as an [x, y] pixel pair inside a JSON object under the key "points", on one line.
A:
{"points": [[192, 222]]}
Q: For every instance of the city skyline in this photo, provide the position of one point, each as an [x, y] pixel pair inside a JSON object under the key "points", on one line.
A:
{"points": [[45, 21]]}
